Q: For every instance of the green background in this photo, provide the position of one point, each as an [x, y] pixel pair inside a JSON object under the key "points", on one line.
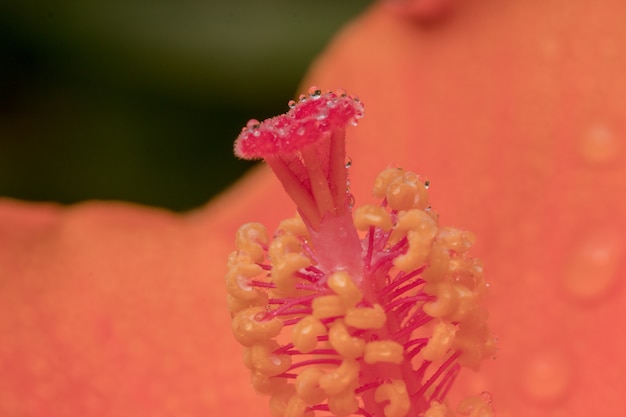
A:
{"points": [[141, 100]]}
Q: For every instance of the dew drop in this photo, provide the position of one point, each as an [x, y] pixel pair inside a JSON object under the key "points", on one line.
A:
{"points": [[599, 145], [253, 124], [315, 92], [291, 104], [348, 162], [591, 269], [302, 97], [486, 397], [351, 201], [546, 376], [426, 184]]}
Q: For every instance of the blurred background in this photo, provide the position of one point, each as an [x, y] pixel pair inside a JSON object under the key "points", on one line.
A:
{"points": [[140, 100]]}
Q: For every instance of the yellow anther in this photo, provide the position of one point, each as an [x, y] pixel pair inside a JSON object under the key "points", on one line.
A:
{"points": [[366, 318], [283, 271], [457, 240], [395, 392], [465, 302], [297, 408], [417, 252], [475, 340], [306, 332], [262, 359], [344, 286], [420, 230], [413, 220], [343, 342], [250, 238], [283, 245], [237, 257], [383, 351], [266, 384], [407, 193], [294, 226], [340, 378], [438, 410], [383, 180], [308, 386], [370, 215], [440, 342], [475, 406], [326, 306], [250, 326], [279, 400], [468, 272], [343, 404], [438, 263], [445, 303], [238, 280], [454, 301]]}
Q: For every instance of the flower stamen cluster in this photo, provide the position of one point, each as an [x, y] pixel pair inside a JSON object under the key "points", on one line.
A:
{"points": [[382, 335]]}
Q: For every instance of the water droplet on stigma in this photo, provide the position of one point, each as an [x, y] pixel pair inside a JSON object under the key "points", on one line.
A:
{"points": [[315, 92]]}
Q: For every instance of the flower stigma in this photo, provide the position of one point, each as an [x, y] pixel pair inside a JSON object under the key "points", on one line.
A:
{"points": [[368, 311]]}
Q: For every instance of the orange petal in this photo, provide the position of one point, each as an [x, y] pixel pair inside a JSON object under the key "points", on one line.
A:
{"points": [[515, 111], [112, 309]]}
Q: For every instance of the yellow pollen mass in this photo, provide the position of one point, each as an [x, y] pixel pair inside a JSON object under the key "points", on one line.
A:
{"points": [[248, 329], [308, 386], [306, 332], [343, 342], [366, 317], [250, 239], [383, 351], [440, 341], [340, 378], [326, 306], [343, 285], [370, 215], [396, 394]]}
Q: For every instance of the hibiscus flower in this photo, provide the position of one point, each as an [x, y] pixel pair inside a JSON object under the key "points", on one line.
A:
{"points": [[514, 111]]}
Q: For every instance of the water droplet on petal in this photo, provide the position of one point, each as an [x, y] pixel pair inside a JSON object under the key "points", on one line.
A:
{"points": [[486, 397], [546, 376], [348, 162], [291, 104], [302, 97], [591, 269], [599, 145]]}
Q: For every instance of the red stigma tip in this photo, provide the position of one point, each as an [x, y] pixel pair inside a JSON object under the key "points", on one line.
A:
{"points": [[307, 121]]}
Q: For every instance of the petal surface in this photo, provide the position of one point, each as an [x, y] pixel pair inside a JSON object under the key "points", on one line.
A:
{"points": [[516, 113]]}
